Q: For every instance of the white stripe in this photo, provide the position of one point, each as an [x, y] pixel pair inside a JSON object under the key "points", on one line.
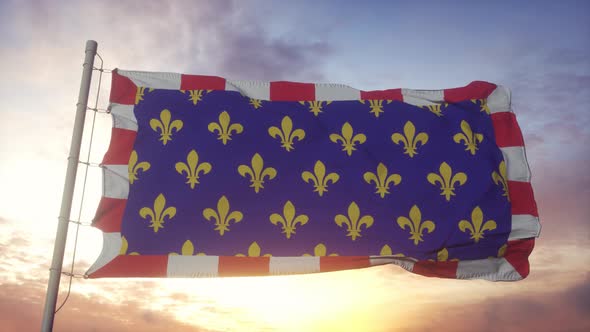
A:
{"points": [[111, 246], [123, 116], [156, 80], [423, 97], [493, 269], [524, 226], [404, 262], [250, 89], [294, 265], [192, 266], [331, 92], [116, 181], [517, 168], [499, 100]]}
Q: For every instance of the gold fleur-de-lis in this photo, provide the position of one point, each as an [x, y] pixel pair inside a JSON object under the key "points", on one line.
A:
{"points": [[386, 251], [416, 225], [256, 103], [222, 216], [192, 168], [315, 106], [435, 108], [133, 167], [224, 128], [501, 178], [354, 221], [382, 180], [470, 138], [483, 104], [443, 256], [348, 138], [319, 178], [286, 133], [289, 220], [159, 213], [257, 172], [125, 247], [254, 251], [165, 126], [320, 250], [410, 139], [447, 180], [476, 226], [376, 106], [140, 93], [196, 95], [188, 249]]}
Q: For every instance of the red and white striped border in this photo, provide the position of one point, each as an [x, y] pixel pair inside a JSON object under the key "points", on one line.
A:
{"points": [[525, 223]]}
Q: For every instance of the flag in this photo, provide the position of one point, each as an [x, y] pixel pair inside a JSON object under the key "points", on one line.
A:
{"points": [[206, 177]]}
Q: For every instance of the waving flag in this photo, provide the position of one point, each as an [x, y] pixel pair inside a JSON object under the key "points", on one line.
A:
{"points": [[210, 177]]}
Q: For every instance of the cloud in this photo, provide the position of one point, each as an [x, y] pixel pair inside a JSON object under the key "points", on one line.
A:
{"points": [[546, 85], [21, 309], [544, 310], [579, 297], [258, 58], [562, 190], [224, 38]]}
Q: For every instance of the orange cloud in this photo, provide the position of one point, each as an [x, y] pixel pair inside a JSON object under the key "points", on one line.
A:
{"points": [[21, 309], [565, 310], [517, 310]]}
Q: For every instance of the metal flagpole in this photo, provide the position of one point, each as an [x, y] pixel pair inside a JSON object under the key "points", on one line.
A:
{"points": [[68, 193]]}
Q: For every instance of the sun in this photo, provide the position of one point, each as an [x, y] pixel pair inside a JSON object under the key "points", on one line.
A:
{"points": [[335, 301]]}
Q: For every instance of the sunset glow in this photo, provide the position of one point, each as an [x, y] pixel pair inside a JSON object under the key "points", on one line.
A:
{"points": [[538, 50]]}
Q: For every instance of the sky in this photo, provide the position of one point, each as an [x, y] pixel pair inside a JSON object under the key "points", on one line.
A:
{"points": [[540, 50]]}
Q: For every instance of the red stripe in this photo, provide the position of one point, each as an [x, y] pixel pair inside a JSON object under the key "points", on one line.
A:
{"points": [[291, 91], [338, 263], [506, 130], [436, 269], [120, 148], [128, 266], [109, 214], [391, 94], [243, 266], [517, 254], [474, 90], [522, 198], [201, 82], [123, 89]]}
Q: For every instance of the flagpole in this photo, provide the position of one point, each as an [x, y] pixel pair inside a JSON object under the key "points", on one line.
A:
{"points": [[68, 193]]}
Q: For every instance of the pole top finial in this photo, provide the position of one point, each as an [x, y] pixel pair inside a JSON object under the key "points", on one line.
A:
{"points": [[91, 45]]}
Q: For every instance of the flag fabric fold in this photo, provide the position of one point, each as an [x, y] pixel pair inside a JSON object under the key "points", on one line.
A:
{"points": [[208, 177]]}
